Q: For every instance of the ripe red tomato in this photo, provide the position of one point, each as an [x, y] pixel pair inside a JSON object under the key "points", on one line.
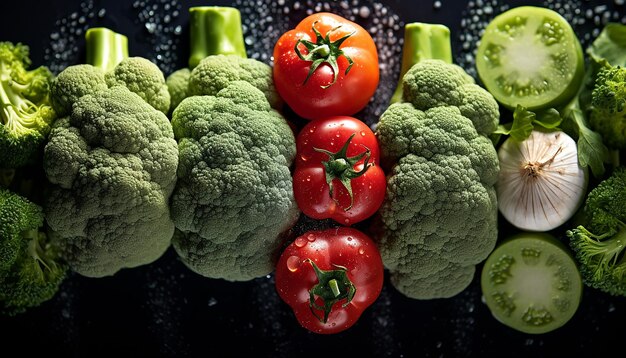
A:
{"points": [[329, 278], [326, 66], [337, 171]]}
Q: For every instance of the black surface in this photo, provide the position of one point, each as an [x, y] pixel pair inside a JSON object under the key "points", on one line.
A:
{"points": [[166, 310]]}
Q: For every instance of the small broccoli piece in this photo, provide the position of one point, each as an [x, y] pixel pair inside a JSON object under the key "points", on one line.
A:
{"points": [[143, 78], [215, 72], [25, 110], [234, 194], [608, 111], [177, 84], [108, 66], [73, 83], [30, 270], [600, 243], [439, 217]]}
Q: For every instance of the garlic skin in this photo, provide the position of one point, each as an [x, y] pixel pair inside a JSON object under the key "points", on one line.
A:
{"points": [[541, 184]]}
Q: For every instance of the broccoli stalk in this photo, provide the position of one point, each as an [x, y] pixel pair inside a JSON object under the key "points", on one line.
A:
{"points": [[105, 48], [422, 41], [25, 113], [215, 30], [601, 243]]}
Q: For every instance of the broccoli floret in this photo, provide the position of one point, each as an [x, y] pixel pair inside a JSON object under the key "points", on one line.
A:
{"points": [[108, 66], [608, 111], [30, 270], [143, 78], [25, 110], [439, 217], [600, 243], [216, 72], [218, 57], [234, 194], [177, 84], [112, 165], [73, 83]]}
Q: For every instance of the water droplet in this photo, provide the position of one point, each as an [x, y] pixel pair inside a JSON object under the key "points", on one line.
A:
{"points": [[310, 237], [349, 238], [362, 133], [437, 4], [361, 250], [293, 262], [347, 221], [303, 158], [212, 301], [364, 11], [300, 242]]}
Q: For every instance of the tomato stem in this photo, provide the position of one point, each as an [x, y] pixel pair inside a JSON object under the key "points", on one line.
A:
{"points": [[323, 50], [340, 166], [332, 287]]}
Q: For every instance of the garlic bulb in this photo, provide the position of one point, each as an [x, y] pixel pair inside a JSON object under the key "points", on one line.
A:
{"points": [[541, 184]]}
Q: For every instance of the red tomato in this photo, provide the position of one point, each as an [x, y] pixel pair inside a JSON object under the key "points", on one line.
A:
{"points": [[329, 183], [326, 66], [329, 278]]}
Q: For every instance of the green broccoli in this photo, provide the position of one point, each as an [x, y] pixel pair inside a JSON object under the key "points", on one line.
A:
{"points": [[112, 165], [177, 84], [608, 106], [109, 66], [439, 217], [30, 270], [234, 194], [600, 243], [218, 57], [25, 110]]}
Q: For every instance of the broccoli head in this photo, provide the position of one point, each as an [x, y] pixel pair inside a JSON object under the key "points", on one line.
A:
{"points": [[234, 193], [608, 106], [112, 165], [30, 270], [25, 110], [600, 243], [439, 217]]}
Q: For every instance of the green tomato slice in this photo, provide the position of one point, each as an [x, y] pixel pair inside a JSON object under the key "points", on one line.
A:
{"points": [[531, 283], [530, 56]]}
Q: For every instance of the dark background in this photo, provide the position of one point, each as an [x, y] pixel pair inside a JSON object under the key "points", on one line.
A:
{"points": [[166, 310]]}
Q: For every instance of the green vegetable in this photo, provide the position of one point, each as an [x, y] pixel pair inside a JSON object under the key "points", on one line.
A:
{"points": [[112, 164], [234, 194], [608, 107], [600, 243], [218, 58], [530, 283], [177, 84], [30, 270], [215, 30], [423, 41], [439, 218], [25, 111], [137, 74], [530, 56], [105, 48]]}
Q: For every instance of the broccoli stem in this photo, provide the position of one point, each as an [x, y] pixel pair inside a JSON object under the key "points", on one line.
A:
{"points": [[17, 111], [105, 48], [215, 30], [421, 42]]}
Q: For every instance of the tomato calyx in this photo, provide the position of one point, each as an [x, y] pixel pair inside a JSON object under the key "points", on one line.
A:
{"points": [[324, 50], [340, 166], [332, 287]]}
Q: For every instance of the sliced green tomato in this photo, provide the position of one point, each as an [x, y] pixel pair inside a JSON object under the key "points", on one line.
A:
{"points": [[531, 283], [530, 56]]}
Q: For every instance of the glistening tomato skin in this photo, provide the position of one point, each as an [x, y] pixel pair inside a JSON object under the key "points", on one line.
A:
{"points": [[311, 190], [350, 93], [328, 249]]}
